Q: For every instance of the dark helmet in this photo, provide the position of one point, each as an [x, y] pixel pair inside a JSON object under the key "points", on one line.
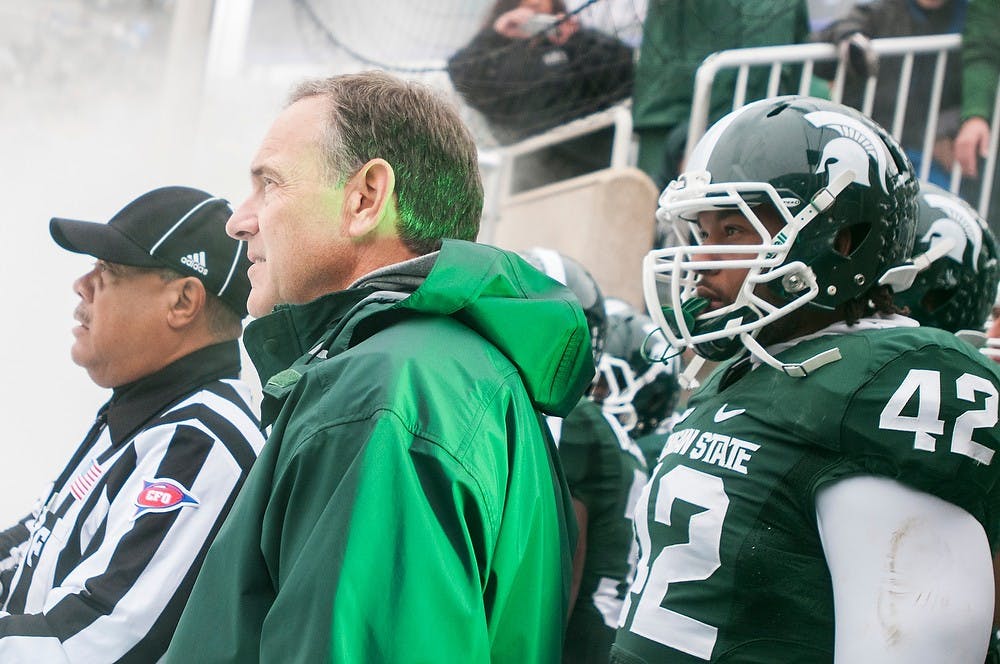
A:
{"points": [[634, 388], [957, 290], [827, 170], [574, 276]]}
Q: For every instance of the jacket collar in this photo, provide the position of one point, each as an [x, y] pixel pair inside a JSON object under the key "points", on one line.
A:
{"points": [[133, 404]]}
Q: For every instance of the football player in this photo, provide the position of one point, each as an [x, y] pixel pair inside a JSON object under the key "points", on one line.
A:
{"points": [[605, 471], [637, 377], [957, 289], [831, 493]]}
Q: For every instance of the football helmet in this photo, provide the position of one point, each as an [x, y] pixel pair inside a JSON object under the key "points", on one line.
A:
{"points": [[574, 276], [829, 173], [636, 376], [957, 289]]}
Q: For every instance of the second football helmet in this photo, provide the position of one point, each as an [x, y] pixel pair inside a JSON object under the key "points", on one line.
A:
{"points": [[638, 380], [957, 289], [830, 174]]}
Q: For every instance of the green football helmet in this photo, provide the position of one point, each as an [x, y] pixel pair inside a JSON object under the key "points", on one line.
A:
{"points": [[957, 290], [637, 376], [826, 169]]}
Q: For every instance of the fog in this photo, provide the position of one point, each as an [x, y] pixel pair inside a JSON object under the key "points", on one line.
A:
{"points": [[102, 100]]}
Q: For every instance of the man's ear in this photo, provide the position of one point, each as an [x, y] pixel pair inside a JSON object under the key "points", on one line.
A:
{"points": [[186, 301], [370, 200]]}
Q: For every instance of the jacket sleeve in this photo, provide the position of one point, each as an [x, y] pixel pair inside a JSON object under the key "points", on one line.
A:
{"points": [[12, 543], [487, 70], [980, 58], [418, 529], [125, 595], [528, 85]]}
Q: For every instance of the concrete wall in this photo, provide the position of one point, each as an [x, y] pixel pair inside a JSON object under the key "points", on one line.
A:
{"points": [[605, 220]]}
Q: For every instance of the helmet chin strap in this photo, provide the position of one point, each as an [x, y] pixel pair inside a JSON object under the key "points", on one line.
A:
{"points": [[794, 369], [687, 379]]}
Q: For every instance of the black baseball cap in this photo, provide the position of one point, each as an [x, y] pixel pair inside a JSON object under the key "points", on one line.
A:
{"points": [[180, 228]]}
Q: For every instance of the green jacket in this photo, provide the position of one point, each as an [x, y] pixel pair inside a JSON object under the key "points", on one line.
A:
{"points": [[679, 34], [408, 504], [980, 58]]}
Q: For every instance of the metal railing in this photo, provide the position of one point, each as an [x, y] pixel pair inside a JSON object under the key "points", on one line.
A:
{"points": [[806, 55], [618, 116]]}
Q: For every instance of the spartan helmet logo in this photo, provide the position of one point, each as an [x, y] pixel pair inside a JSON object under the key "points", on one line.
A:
{"points": [[956, 224], [852, 151]]}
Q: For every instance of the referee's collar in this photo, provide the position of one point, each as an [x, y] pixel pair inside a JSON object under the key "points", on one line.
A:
{"points": [[135, 403]]}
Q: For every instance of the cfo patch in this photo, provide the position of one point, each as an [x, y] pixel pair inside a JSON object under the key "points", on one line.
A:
{"points": [[162, 495]]}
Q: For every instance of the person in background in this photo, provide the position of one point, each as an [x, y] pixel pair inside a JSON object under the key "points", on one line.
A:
{"points": [[100, 570], [960, 266], [409, 503], [532, 67], [620, 18], [637, 378], [980, 78], [677, 36], [605, 471], [828, 404], [956, 288], [903, 18]]}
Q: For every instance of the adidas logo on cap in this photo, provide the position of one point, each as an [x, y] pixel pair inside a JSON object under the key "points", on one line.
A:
{"points": [[196, 262], [161, 228]]}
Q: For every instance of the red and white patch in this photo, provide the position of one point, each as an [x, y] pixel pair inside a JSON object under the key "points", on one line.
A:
{"points": [[163, 495], [86, 480]]}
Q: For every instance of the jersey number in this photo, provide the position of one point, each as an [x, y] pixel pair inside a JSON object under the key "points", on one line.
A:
{"points": [[926, 424], [694, 560]]}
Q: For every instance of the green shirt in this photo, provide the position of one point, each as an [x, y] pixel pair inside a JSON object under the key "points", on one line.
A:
{"points": [[731, 565]]}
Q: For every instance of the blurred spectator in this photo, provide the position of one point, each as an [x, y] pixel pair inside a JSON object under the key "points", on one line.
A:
{"points": [[526, 78], [621, 18], [677, 36], [980, 73], [875, 19]]}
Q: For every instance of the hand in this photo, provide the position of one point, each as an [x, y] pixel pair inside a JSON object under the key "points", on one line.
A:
{"points": [[944, 152], [857, 50], [972, 142], [511, 24], [565, 28]]}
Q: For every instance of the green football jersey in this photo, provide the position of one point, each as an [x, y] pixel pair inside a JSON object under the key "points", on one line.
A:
{"points": [[651, 446], [731, 566], [605, 471]]}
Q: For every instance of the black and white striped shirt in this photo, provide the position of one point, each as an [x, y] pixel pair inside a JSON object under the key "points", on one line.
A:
{"points": [[101, 570]]}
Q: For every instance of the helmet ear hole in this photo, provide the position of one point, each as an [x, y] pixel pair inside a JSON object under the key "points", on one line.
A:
{"points": [[849, 240]]}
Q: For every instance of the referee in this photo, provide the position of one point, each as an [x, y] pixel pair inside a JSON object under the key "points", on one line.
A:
{"points": [[101, 568]]}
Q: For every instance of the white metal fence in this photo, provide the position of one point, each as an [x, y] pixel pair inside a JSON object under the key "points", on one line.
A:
{"points": [[806, 55], [498, 162]]}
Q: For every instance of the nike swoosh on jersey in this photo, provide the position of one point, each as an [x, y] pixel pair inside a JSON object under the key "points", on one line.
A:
{"points": [[722, 414], [680, 418]]}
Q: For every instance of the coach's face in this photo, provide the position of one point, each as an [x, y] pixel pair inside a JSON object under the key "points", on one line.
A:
{"points": [[292, 220]]}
